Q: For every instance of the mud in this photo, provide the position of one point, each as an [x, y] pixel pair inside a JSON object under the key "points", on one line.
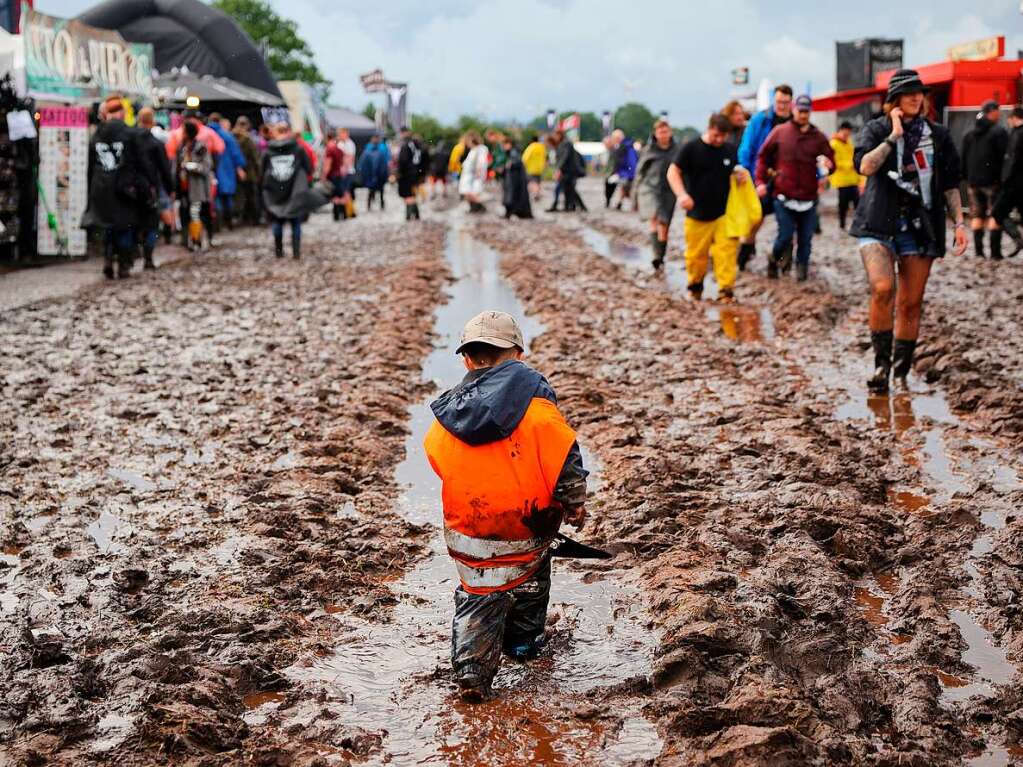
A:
{"points": [[220, 545], [197, 461]]}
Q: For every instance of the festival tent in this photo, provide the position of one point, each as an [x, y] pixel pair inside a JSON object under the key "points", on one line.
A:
{"points": [[187, 33]]}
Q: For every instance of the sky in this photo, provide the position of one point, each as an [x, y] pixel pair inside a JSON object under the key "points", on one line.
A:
{"points": [[503, 59]]}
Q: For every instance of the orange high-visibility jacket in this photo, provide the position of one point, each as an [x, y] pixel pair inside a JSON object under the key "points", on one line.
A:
{"points": [[499, 513]]}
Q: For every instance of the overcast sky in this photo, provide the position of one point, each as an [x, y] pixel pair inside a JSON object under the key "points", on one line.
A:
{"points": [[516, 58]]}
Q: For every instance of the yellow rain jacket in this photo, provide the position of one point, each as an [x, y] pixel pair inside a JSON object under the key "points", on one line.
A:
{"points": [[455, 160], [845, 172], [535, 159]]}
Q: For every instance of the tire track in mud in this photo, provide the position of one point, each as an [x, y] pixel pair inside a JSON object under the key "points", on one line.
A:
{"points": [[201, 461], [728, 457]]}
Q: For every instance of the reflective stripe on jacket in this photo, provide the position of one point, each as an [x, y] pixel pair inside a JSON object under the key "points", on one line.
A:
{"points": [[499, 511]]}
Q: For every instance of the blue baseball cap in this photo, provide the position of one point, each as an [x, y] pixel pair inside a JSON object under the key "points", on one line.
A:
{"points": [[804, 103]]}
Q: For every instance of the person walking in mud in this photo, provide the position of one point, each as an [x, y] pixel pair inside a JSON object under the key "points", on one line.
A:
{"points": [[984, 149], [285, 186], [409, 172], [700, 178], [654, 198], [788, 160], [511, 472], [1010, 192], [913, 176]]}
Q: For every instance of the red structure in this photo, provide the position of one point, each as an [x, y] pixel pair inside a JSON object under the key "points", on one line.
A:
{"points": [[954, 85]]}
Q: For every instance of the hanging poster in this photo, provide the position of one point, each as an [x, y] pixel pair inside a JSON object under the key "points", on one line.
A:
{"points": [[63, 180]]}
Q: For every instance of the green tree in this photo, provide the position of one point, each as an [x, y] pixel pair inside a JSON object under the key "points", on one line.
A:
{"points": [[287, 54], [432, 130], [370, 110], [635, 119], [686, 134]]}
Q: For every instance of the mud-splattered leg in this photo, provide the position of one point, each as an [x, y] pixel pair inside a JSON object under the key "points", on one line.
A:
{"points": [[879, 263]]}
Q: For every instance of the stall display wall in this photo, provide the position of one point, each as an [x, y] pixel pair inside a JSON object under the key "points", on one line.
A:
{"points": [[63, 179]]}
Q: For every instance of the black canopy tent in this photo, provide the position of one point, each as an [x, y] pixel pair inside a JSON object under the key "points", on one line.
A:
{"points": [[187, 33], [216, 94], [360, 127]]}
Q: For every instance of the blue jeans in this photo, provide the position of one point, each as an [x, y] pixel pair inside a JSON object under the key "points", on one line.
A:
{"points": [[794, 223], [277, 227]]}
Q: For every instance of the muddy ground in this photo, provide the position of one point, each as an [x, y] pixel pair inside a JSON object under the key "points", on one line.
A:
{"points": [[201, 478]]}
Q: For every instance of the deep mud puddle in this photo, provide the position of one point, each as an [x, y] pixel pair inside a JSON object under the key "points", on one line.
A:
{"points": [[740, 322], [393, 676]]}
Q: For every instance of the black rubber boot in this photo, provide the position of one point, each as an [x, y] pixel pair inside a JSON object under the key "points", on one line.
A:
{"points": [[125, 259], [995, 240], [296, 249], [978, 243], [108, 269], [772, 266], [337, 211], [1010, 228], [660, 249], [279, 247], [747, 251], [147, 257], [167, 234], [785, 259], [882, 342], [802, 272], [415, 211], [902, 358]]}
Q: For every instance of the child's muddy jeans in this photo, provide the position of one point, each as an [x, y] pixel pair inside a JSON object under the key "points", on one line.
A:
{"points": [[486, 625]]}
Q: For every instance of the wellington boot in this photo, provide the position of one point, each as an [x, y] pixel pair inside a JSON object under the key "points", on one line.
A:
{"points": [[279, 247], [978, 243], [881, 341], [995, 239], [147, 257], [902, 358]]}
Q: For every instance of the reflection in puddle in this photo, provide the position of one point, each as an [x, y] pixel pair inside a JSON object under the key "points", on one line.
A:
{"points": [[744, 324], [390, 676]]}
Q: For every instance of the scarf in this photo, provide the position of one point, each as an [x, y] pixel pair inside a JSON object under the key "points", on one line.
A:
{"points": [[915, 161]]}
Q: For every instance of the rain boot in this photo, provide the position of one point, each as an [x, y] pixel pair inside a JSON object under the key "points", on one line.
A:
{"points": [[785, 259], [655, 246], [296, 248], [147, 257], [350, 209], [995, 240], [1010, 228], [978, 242], [902, 358], [772, 266], [125, 259], [408, 211], [802, 272], [279, 247], [415, 211], [337, 211], [746, 253], [881, 340]]}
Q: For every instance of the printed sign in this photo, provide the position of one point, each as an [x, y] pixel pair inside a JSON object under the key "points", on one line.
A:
{"points": [[63, 180], [978, 50], [72, 61]]}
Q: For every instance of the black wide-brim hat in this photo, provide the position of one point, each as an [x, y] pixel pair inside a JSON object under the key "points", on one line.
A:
{"points": [[905, 81]]}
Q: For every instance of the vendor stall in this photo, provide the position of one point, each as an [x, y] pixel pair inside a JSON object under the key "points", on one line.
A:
{"points": [[68, 67]]}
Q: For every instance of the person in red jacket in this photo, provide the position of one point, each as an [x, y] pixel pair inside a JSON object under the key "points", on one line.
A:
{"points": [[511, 472], [789, 159]]}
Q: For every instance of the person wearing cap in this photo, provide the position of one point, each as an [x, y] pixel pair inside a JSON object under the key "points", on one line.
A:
{"points": [[913, 175], [511, 472], [1010, 194], [788, 158], [753, 137], [119, 187], [845, 178], [983, 152]]}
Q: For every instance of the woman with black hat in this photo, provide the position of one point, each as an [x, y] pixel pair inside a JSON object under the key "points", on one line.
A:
{"points": [[913, 176]]}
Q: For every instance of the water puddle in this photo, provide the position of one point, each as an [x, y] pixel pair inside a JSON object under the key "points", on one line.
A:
{"points": [[739, 322], [924, 429], [392, 676], [997, 756], [104, 528], [136, 482]]}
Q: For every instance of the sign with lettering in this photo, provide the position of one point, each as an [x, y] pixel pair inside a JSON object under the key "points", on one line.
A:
{"points": [[68, 60], [978, 50], [63, 180]]}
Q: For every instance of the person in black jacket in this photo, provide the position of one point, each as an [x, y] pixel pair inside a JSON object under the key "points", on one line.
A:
{"points": [[287, 196], [983, 153], [516, 189], [913, 177], [570, 168], [118, 187], [161, 182], [410, 170], [1010, 193]]}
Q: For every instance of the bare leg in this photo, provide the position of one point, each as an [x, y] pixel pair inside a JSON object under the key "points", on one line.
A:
{"points": [[880, 266], [913, 274]]}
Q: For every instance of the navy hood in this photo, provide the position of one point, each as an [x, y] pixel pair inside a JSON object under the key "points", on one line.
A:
{"points": [[489, 404]]}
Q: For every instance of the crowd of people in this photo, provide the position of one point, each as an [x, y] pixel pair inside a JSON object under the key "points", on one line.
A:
{"points": [[897, 181]]}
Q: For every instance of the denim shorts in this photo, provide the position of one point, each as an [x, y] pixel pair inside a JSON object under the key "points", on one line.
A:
{"points": [[902, 244]]}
